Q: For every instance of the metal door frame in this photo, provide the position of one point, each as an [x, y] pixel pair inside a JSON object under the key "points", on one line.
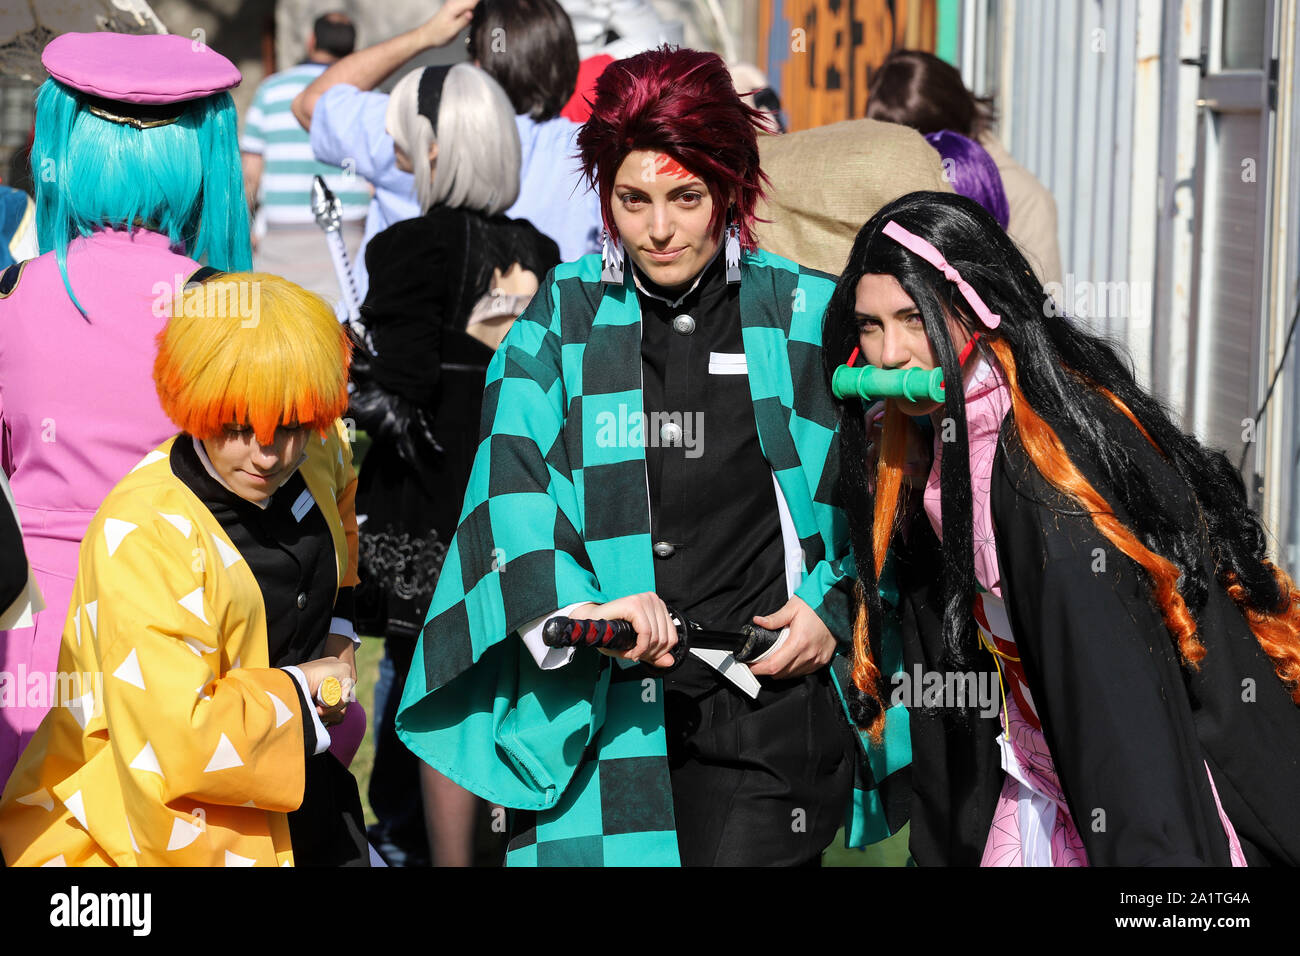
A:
{"points": [[1224, 92]]}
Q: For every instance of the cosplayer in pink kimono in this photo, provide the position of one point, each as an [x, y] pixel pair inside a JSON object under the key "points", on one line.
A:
{"points": [[129, 202], [1094, 572]]}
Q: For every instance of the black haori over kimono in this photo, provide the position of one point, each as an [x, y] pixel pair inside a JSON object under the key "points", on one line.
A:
{"points": [[1140, 742]]}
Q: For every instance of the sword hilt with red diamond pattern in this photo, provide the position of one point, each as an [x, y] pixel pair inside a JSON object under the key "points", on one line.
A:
{"points": [[607, 635]]}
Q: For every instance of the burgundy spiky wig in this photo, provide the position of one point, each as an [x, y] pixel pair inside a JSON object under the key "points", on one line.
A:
{"points": [[682, 103]]}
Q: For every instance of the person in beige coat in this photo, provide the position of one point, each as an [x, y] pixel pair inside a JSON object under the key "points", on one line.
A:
{"points": [[1033, 212], [917, 89], [828, 181]]}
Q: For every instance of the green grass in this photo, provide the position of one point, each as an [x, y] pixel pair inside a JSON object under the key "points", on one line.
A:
{"points": [[369, 654], [891, 852]]}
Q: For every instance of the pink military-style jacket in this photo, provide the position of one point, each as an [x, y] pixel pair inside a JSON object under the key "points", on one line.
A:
{"points": [[78, 411]]}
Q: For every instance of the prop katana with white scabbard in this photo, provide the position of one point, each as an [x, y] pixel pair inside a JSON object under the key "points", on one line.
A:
{"points": [[328, 210]]}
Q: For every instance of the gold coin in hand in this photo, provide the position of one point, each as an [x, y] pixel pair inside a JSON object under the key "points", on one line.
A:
{"points": [[330, 692]]}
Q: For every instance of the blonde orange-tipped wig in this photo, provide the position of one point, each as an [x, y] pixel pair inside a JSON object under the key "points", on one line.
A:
{"points": [[249, 348]]}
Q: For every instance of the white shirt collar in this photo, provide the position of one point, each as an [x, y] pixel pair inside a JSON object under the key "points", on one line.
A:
{"points": [[694, 285]]}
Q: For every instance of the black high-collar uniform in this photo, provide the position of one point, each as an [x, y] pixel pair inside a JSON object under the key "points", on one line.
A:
{"points": [[719, 556], [289, 549], [742, 769]]}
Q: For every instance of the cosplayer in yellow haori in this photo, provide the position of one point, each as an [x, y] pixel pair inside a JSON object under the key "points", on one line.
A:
{"points": [[212, 600]]}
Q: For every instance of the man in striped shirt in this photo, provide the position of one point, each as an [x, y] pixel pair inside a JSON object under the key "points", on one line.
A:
{"points": [[279, 166]]}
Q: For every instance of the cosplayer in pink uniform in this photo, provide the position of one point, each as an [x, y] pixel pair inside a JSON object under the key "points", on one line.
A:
{"points": [[136, 170]]}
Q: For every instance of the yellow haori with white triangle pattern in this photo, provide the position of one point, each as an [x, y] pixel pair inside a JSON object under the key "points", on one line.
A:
{"points": [[193, 754]]}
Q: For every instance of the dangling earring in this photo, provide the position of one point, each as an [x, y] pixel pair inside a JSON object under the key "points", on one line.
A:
{"points": [[732, 250], [611, 254]]}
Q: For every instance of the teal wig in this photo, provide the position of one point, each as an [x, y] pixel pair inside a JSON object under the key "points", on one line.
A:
{"points": [[182, 179]]}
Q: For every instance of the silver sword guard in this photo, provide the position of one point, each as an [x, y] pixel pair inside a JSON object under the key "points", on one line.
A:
{"points": [[325, 206]]}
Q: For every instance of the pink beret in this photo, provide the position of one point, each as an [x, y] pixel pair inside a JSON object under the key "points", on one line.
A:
{"points": [[139, 68]]}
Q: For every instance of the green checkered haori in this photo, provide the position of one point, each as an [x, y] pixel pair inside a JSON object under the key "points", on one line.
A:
{"points": [[554, 515]]}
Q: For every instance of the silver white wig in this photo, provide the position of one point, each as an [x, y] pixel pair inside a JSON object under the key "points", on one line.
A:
{"points": [[478, 142]]}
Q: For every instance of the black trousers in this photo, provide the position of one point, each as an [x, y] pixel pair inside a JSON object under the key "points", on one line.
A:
{"points": [[763, 782], [329, 829]]}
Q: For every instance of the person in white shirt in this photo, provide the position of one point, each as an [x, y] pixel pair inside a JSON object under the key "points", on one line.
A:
{"points": [[279, 168], [344, 113]]}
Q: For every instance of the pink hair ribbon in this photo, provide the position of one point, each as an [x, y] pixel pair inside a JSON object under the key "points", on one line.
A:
{"points": [[932, 255]]}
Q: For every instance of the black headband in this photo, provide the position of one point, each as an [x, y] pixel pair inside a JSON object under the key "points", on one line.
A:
{"points": [[430, 94]]}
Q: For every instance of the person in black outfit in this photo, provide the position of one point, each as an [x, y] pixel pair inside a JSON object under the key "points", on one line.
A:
{"points": [[444, 289], [1074, 546]]}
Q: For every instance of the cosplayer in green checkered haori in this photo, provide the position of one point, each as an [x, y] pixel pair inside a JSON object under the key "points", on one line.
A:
{"points": [[554, 516]]}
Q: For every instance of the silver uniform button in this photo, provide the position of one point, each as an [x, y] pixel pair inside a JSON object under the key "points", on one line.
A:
{"points": [[684, 324], [670, 433], [302, 600], [663, 549]]}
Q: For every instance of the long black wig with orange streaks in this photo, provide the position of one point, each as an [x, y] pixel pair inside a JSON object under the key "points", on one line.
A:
{"points": [[1056, 371]]}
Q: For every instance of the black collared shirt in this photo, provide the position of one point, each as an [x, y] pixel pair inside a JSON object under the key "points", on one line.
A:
{"points": [[288, 548], [713, 512]]}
